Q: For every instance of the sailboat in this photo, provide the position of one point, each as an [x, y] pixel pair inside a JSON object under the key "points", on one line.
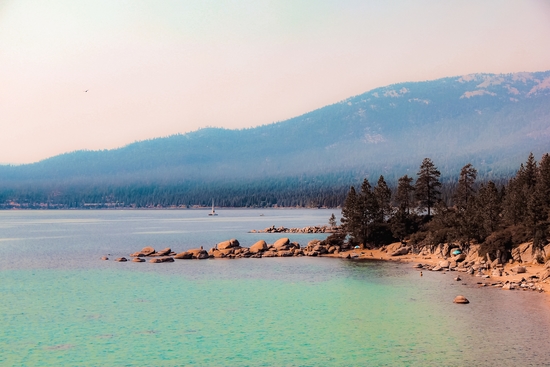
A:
{"points": [[213, 212]]}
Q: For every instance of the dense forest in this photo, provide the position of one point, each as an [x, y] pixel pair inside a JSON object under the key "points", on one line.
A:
{"points": [[497, 216], [328, 191]]}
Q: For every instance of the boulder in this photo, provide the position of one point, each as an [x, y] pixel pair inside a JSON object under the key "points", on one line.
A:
{"points": [[393, 247], [215, 253], [473, 255], [203, 255], [146, 251], [444, 264], [519, 269], [164, 252], [104, 258], [164, 259], [121, 259], [259, 246], [281, 244], [417, 266], [138, 260], [402, 251], [525, 253], [232, 243], [459, 258], [461, 300], [545, 274], [184, 255], [508, 287], [227, 252]]}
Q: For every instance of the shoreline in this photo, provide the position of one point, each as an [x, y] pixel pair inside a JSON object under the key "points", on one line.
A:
{"points": [[525, 276], [508, 276]]}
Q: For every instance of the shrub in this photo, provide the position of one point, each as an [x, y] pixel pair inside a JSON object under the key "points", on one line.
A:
{"points": [[501, 240], [335, 239]]}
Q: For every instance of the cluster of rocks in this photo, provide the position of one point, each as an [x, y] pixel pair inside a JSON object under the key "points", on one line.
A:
{"points": [[311, 229], [468, 261], [318, 248], [232, 249]]}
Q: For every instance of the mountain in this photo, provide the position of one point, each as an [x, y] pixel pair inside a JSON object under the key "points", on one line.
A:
{"points": [[492, 121]]}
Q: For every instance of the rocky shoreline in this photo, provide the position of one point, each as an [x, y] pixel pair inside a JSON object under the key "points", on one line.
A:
{"points": [[523, 272]]}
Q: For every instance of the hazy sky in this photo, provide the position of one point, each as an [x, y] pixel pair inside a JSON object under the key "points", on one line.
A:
{"points": [[157, 68]]}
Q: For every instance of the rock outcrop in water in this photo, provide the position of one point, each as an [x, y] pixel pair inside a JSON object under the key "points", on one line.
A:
{"points": [[231, 249], [310, 229]]}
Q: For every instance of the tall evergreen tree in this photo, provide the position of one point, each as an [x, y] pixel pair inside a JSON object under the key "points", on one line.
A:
{"points": [[350, 212], [465, 189], [513, 205], [466, 210], [543, 181], [489, 207], [405, 191], [427, 185], [382, 194]]}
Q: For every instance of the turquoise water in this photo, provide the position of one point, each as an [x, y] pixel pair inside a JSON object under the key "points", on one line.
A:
{"points": [[61, 306]]}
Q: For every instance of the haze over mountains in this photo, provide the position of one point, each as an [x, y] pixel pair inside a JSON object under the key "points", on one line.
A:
{"points": [[492, 121]]}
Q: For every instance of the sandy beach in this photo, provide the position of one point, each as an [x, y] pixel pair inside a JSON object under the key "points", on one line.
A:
{"points": [[433, 260]]}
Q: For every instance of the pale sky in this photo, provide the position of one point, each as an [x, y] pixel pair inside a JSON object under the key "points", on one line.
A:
{"points": [[157, 68]]}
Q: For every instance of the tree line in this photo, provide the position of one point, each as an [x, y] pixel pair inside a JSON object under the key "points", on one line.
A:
{"points": [[497, 216]]}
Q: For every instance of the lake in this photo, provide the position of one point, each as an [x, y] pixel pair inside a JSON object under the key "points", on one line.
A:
{"points": [[62, 306]]}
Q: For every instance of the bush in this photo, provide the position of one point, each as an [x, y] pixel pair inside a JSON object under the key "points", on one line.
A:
{"points": [[335, 239], [501, 240], [520, 234], [418, 237]]}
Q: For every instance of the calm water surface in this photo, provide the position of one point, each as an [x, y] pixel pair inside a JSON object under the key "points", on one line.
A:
{"points": [[61, 306]]}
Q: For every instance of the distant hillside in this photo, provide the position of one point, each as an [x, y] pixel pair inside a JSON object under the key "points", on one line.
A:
{"points": [[492, 121]]}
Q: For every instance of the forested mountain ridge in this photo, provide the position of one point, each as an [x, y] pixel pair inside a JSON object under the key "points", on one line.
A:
{"points": [[492, 121]]}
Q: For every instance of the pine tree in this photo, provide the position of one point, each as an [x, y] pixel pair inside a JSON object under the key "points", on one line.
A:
{"points": [[489, 207], [349, 211], [466, 210], [405, 191], [465, 189], [332, 221], [543, 181], [427, 185], [382, 194], [513, 204]]}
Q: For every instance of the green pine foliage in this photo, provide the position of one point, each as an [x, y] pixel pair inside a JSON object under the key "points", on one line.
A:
{"points": [[498, 219]]}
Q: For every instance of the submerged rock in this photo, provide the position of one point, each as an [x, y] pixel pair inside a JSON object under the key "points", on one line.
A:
{"points": [[166, 259]]}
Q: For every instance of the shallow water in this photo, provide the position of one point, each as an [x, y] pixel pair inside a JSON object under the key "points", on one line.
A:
{"points": [[60, 305]]}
